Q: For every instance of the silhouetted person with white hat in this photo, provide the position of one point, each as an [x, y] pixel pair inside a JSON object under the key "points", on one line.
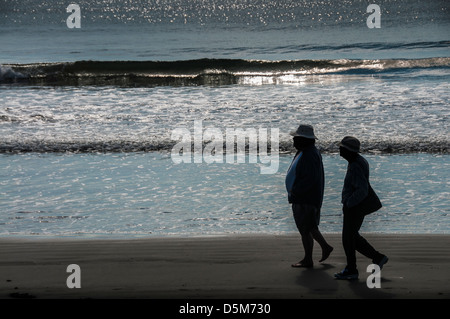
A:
{"points": [[305, 183], [355, 190]]}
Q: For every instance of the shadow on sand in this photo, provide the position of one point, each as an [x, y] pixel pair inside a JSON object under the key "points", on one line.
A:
{"points": [[321, 283]]}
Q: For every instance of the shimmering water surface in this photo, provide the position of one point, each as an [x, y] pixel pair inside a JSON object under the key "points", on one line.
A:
{"points": [[87, 115], [146, 194]]}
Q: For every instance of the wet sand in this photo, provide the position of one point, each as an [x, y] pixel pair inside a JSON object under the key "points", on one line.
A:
{"points": [[237, 267]]}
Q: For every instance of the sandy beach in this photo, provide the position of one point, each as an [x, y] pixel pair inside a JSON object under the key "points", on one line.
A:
{"points": [[221, 267]]}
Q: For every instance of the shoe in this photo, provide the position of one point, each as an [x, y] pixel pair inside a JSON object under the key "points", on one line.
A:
{"points": [[347, 275], [384, 259]]}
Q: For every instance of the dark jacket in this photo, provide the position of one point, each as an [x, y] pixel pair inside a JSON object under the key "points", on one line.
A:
{"points": [[309, 181], [356, 183]]}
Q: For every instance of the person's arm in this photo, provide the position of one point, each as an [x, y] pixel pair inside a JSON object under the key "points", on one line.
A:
{"points": [[359, 184], [306, 175]]}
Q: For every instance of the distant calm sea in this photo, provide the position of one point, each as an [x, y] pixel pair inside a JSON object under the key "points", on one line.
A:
{"points": [[86, 114]]}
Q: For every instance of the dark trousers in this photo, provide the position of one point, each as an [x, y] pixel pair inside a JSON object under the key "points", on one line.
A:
{"points": [[353, 241]]}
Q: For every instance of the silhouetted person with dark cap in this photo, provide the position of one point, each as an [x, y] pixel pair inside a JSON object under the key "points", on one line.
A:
{"points": [[305, 183], [355, 190]]}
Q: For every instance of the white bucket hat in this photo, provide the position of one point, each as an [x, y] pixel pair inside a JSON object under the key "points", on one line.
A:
{"points": [[304, 130]]}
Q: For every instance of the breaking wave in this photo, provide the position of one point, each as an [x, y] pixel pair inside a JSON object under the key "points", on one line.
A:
{"points": [[202, 71]]}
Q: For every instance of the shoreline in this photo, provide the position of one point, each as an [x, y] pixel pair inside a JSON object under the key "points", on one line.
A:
{"points": [[236, 267], [188, 236]]}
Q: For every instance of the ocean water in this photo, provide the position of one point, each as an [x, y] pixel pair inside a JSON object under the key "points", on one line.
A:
{"points": [[87, 115], [146, 194], [171, 30]]}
